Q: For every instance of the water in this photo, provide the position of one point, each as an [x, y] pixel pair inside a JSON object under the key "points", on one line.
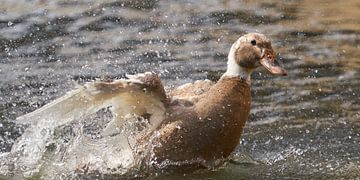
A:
{"points": [[306, 125]]}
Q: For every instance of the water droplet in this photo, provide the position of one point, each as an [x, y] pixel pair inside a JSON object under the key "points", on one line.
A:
{"points": [[278, 138]]}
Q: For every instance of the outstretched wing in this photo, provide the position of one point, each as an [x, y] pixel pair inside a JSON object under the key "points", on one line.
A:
{"points": [[141, 95], [136, 105]]}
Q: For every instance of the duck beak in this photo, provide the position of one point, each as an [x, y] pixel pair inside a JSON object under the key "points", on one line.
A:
{"points": [[271, 64]]}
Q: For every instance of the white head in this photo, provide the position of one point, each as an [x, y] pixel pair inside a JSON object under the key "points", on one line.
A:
{"points": [[249, 52]]}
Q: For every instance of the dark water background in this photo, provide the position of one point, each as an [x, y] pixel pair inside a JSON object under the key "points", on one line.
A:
{"points": [[305, 125]]}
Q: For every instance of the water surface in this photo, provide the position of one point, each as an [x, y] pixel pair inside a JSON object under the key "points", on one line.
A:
{"points": [[305, 125]]}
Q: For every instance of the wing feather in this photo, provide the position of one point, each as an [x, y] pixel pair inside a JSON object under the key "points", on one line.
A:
{"points": [[139, 97], [191, 92]]}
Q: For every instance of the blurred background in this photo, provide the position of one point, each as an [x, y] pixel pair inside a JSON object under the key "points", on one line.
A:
{"points": [[305, 125]]}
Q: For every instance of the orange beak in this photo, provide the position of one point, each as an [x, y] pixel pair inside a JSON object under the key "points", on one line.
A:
{"points": [[271, 64]]}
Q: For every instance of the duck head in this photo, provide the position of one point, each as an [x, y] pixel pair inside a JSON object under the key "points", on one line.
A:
{"points": [[249, 52]]}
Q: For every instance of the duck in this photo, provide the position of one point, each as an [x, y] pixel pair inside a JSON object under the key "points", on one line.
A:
{"points": [[197, 123]]}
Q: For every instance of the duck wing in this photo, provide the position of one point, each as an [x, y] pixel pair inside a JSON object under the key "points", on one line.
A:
{"points": [[134, 107], [141, 95], [191, 93]]}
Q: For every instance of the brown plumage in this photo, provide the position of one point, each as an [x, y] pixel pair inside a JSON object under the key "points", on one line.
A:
{"points": [[210, 129]]}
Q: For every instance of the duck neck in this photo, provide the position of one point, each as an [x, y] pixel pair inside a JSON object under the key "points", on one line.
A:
{"points": [[233, 68]]}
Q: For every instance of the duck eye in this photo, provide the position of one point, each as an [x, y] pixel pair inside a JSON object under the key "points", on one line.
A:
{"points": [[253, 42]]}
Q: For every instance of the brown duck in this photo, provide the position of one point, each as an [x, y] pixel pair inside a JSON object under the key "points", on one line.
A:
{"points": [[195, 123]]}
